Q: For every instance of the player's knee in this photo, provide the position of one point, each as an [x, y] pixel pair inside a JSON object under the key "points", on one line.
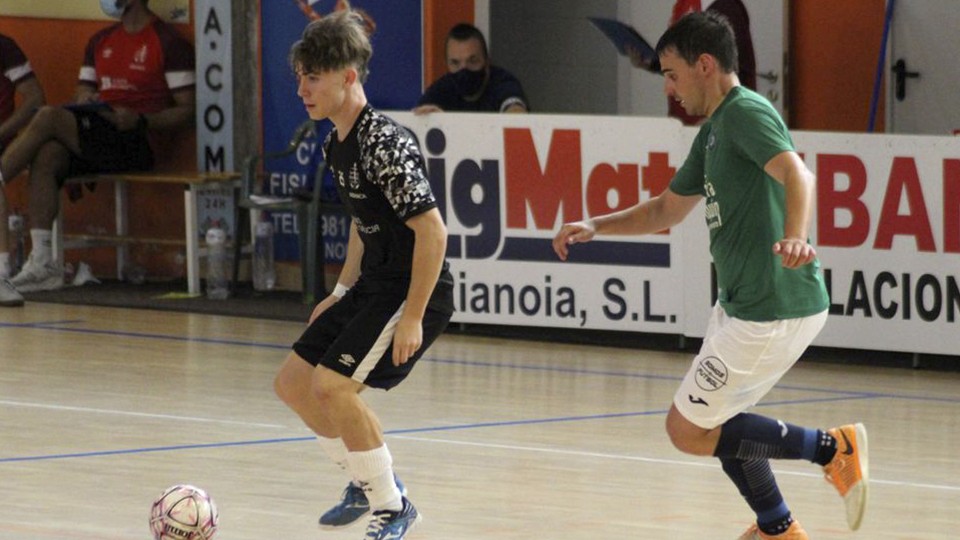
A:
{"points": [[676, 436], [281, 387], [326, 391], [332, 391], [288, 386], [682, 434]]}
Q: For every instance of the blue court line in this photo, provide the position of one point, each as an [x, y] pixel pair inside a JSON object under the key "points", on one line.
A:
{"points": [[647, 376], [469, 363], [838, 395], [408, 431], [144, 335], [40, 324], [152, 449]]}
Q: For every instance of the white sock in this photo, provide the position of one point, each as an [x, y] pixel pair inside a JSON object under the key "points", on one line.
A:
{"points": [[5, 265], [335, 450], [374, 469], [42, 250]]}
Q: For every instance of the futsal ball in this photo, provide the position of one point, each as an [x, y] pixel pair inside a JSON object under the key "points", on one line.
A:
{"points": [[184, 512]]}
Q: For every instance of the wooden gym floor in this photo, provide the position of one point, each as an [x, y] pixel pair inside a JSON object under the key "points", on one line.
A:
{"points": [[102, 408]]}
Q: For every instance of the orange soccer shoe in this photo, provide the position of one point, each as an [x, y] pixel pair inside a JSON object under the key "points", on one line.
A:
{"points": [[795, 532], [849, 470]]}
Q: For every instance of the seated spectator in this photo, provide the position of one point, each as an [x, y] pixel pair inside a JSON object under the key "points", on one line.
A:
{"points": [[137, 76], [472, 83], [16, 77]]}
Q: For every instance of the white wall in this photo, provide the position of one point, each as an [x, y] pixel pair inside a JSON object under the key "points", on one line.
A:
{"points": [[567, 66], [563, 62]]}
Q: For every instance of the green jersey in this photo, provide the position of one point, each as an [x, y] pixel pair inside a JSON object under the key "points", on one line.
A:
{"points": [[745, 211]]}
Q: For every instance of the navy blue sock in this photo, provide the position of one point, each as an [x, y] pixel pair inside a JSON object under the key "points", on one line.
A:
{"points": [[756, 483], [750, 436], [826, 448]]}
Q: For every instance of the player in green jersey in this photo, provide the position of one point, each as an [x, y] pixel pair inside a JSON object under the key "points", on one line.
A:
{"points": [[771, 297]]}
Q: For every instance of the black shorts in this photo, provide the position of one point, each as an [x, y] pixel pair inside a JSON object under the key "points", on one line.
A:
{"points": [[103, 149], [354, 337]]}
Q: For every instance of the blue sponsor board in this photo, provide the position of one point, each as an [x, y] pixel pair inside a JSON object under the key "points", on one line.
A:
{"points": [[395, 82]]}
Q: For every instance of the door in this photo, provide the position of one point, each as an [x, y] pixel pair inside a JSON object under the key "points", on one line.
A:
{"points": [[768, 27], [923, 68]]}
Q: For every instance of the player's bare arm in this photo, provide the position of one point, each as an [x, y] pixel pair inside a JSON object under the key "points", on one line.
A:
{"points": [[349, 273], [659, 213], [428, 251], [788, 169]]}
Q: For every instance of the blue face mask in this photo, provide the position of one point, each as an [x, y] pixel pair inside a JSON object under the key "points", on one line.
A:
{"points": [[113, 8]]}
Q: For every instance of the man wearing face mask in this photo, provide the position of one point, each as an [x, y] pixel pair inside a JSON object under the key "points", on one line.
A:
{"points": [[472, 84], [137, 77]]}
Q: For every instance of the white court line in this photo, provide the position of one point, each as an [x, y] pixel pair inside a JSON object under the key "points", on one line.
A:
{"points": [[656, 460], [137, 414]]}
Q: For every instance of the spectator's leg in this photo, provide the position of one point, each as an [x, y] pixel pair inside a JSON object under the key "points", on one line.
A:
{"points": [[51, 165], [41, 272], [49, 124], [4, 235]]}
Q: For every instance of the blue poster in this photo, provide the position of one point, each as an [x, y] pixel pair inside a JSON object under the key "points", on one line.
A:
{"points": [[395, 82]]}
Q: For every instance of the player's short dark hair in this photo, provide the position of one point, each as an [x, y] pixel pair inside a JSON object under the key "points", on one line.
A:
{"points": [[697, 33], [333, 42], [466, 32]]}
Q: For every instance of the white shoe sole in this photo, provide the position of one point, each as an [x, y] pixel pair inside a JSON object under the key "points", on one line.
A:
{"points": [[45, 285], [856, 499], [327, 527]]}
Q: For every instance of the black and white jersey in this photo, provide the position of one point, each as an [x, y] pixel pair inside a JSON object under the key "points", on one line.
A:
{"points": [[382, 181]]}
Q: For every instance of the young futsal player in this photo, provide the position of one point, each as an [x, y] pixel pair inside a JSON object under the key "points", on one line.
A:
{"points": [[394, 295]]}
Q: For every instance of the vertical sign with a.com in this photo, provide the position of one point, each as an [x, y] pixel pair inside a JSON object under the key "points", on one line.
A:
{"points": [[214, 109]]}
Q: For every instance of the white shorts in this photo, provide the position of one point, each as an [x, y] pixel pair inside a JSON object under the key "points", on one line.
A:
{"points": [[739, 362]]}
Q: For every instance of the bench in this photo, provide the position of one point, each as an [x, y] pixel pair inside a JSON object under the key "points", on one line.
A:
{"points": [[192, 183]]}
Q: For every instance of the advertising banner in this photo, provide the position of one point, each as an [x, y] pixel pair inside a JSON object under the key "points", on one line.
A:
{"points": [[886, 227], [395, 82], [506, 183]]}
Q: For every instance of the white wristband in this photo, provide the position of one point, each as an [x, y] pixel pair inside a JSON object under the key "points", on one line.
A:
{"points": [[340, 290]]}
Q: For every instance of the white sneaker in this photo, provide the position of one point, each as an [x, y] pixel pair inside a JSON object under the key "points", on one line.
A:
{"points": [[9, 297], [38, 277]]}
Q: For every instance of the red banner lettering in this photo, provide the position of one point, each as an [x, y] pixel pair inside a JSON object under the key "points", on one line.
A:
{"points": [[603, 179], [904, 180], [546, 190], [830, 199], [951, 205]]}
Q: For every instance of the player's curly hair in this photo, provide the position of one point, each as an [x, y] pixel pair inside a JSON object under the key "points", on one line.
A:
{"points": [[697, 33], [331, 43]]}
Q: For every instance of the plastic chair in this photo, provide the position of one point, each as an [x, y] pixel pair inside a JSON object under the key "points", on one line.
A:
{"points": [[307, 203]]}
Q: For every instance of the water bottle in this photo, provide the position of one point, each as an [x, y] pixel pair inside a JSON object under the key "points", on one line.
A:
{"points": [[264, 273], [15, 225], [217, 263]]}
